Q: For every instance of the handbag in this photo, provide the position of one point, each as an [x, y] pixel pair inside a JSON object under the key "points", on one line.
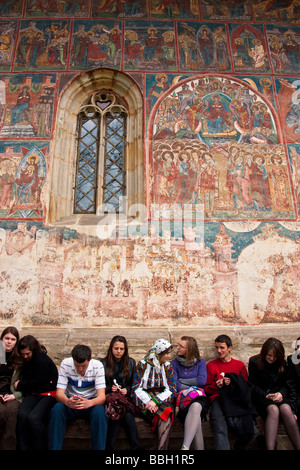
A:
{"points": [[117, 404], [186, 396]]}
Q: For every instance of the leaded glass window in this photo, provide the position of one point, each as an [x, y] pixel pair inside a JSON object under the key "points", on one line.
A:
{"points": [[101, 155]]}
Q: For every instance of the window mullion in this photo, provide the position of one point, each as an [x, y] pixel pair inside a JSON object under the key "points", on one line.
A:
{"points": [[100, 169]]}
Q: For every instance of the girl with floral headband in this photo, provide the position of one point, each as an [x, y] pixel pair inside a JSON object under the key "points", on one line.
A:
{"points": [[154, 390]]}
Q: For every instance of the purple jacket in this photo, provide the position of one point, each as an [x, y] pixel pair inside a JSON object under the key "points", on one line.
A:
{"points": [[186, 377]]}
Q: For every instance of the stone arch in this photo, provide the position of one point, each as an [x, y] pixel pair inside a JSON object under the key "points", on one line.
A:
{"points": [[63, 150]]}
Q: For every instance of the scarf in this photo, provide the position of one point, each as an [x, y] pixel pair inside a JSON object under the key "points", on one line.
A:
{"points": [[182, 361], [158, 347]]}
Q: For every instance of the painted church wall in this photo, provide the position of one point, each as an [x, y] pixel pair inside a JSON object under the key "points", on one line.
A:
{"points": [[221, 92]]}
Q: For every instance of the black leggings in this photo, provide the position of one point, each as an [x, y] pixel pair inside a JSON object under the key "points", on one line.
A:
{"points": [[32, 422], [128, 422]]}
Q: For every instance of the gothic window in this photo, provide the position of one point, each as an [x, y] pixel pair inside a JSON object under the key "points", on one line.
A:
{"points": [[97, 153], [101, 155]]}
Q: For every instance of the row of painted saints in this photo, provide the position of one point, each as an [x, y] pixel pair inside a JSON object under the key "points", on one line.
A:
{"points": [[150, 45], [218, 152], [248, 185], [261, 10]]}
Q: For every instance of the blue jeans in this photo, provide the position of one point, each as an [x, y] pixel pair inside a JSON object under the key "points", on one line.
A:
{"points": [[62, 414], [219, 425]]}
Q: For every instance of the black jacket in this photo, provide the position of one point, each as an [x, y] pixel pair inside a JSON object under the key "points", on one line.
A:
{"points": [[126, 382], [237, 405], [38, 375], [293, 381], [268, 379], [236, 397]]}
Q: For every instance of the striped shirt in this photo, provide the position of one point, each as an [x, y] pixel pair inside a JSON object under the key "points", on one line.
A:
{"points": [[81, 385]]}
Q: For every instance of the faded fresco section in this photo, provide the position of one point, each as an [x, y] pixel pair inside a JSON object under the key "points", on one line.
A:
{"points": [[49, 277]]}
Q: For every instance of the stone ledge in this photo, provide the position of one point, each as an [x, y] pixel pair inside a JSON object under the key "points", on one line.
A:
{"points": [[247, 339], [78, 436]]}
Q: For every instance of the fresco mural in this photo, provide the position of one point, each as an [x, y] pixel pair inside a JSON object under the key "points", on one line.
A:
{"points": [[27, 105], [174, 8], [112, 8], [7, 43], [229, 10], [10, 8], [276, 11], [23, 175], [215, 145], [284, 46], [249, 49], [203, 47], [42, 44], [294, 156], [289, 106], [96, 45], [152, 278], [56, 8], [150, 46], [221, 125]]}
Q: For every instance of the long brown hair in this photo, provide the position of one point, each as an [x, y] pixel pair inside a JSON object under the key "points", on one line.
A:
{"points": [[276, 346], [111, 361], [15, 359], [192, 349], [32, 344]]}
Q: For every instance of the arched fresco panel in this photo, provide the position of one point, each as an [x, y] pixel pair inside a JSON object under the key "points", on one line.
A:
{"points": [[216, 147]]}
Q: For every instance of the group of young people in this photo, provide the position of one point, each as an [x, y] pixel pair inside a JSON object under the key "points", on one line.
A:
{"points": [[37, 400]]}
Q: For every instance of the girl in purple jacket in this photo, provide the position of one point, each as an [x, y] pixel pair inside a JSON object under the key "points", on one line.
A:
{"points": [[192, 405]]}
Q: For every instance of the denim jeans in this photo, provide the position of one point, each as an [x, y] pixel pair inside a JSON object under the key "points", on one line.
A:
{"points": [[62, 414], [220, 426]]}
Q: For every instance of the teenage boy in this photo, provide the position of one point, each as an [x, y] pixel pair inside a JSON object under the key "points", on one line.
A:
{"points": [[80, 393], [230, 397]]}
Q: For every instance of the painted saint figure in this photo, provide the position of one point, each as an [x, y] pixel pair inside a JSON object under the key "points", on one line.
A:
{"points": [[28, 181], [218, 120], [207, 184], [279, 185], [260, 190], [194, 114], [19, 113], [156, 90]]}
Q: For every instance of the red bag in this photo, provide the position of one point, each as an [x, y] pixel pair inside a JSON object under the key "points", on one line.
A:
{"points": [[117, 404]]}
